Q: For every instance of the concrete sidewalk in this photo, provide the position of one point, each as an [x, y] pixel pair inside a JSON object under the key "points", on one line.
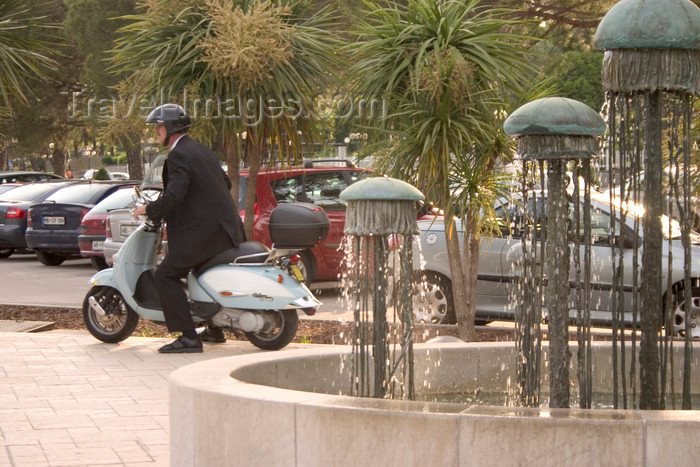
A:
{"points": [[67, 399]]}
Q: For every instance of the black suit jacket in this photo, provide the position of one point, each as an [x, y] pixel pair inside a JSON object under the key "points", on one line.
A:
{"points": [[202, 217]]}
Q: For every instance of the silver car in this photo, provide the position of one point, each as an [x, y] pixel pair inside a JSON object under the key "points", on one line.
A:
{"points": [[121, 224], [500, 256]]}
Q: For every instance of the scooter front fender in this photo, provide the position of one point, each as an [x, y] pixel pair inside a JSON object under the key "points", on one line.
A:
{"points": [[104, 277]]}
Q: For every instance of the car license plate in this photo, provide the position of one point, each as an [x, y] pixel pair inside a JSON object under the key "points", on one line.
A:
{"points": [[54, 220], [98, 245], [297, 273], [126, 230]]}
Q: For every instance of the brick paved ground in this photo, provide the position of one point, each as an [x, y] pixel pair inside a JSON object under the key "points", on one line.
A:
{"points": [[67, 399]]}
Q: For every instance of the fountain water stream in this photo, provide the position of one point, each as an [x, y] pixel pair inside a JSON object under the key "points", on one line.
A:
{"points": [[552, 133], [379, 208], [651, 71]]}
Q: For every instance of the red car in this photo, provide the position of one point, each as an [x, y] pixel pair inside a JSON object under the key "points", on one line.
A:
{"points": [[317, 184]]}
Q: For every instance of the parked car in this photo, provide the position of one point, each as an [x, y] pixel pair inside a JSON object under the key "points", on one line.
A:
{"points": [[54, 224], [89, 174], [119, 176], [93, 227], [319, 183], [9, 186], [14, 206], [26, 177], [634, 190], [120, 223], [500, 254]]}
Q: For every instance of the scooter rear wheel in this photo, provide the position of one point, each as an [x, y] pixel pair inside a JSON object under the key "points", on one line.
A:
{"points": [[281, 333], [119, 320]]}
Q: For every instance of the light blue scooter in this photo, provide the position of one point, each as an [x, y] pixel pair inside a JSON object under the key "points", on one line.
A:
{"points": [[250, 288]]}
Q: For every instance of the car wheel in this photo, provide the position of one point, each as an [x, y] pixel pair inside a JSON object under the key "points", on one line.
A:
{"points": [[6, 252], [307, 265], [99, 262], [432, 300], [681, 313], [50, 259]]}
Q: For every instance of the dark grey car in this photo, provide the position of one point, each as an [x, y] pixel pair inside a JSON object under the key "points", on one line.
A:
{"points": [[27, 177], [54, 224], [14, 207]]}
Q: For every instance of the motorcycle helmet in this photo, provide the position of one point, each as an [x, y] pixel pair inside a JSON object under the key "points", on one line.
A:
{"points": [[173, 117]]}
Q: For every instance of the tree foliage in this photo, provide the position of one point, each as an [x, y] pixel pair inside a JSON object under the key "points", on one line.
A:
{"points": [[577, 75], [101, 174], [91, 27], [176, 34], [24, 50], [267, 92], [26, 55], [447, 70], [38, 116], [247, 46]]}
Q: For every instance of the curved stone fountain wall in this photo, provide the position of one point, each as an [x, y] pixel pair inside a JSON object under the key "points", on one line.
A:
{"points": [[287, 409]]}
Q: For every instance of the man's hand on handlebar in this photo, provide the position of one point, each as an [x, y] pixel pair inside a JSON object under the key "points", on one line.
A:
{"points": [[139, 210]]}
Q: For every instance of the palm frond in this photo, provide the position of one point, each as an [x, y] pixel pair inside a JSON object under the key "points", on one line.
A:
{"points": [[24, 53], [446, 68], [179, 51]]}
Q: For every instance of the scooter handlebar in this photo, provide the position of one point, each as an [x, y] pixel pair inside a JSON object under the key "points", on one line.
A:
{"points": [[151, 226], [144, 199]]}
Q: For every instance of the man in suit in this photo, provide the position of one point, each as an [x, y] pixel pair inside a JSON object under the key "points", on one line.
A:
{"points": [[202, 220]]}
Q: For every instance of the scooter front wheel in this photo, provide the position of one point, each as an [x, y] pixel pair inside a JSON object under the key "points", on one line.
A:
{"points": [[109, 318], [278, 333]]}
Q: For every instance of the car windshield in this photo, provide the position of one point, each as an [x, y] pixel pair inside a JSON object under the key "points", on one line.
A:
{"points": [[510, 217], [27, 192], [81, 193], [154, 174], [119, 199], [6, 187], [27, 177], [671, 228], [321, 188]]}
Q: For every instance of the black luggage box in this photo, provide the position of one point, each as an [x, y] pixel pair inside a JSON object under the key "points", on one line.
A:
{"points": [[298, 225]]}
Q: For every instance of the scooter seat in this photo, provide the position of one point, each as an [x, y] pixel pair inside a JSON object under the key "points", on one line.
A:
{"points": [[229, 256]]}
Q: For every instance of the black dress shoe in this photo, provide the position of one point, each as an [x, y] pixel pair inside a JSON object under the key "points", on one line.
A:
{"points": [[183, 345], [211, 334]]}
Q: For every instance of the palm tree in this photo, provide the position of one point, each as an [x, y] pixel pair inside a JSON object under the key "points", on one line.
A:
{"points": [[22, 53], [25, 59], [265, 60], [447, 69]]}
